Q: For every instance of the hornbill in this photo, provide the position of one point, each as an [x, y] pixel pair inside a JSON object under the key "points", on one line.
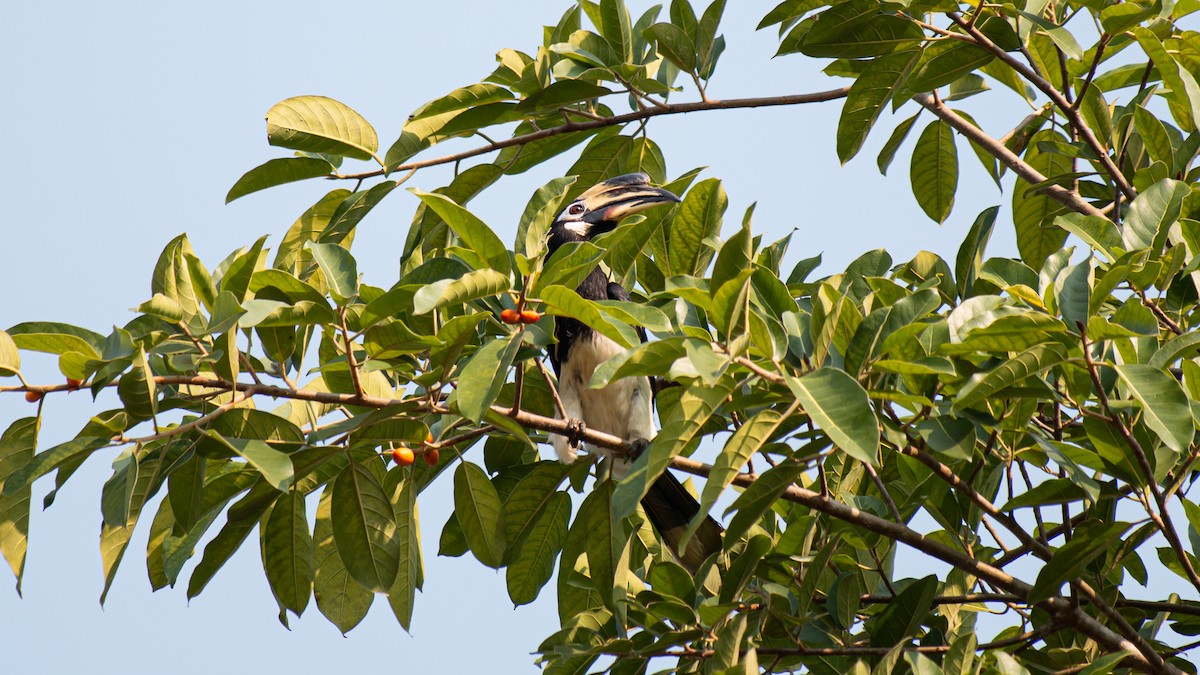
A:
{"points": [[624, 408]]}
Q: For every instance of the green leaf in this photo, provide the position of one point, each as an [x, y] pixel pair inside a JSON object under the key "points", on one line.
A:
{"points": [[1184, 96], [56, 338], [562, 301], [934, 170], [944, 62], [1073, 290], [1068, 563], [1029, 363], [471, 286], [17, 446], [480, 514], [137, 389], [1034, 212], [648, 358], [242, 517], [747, 440], [697, 219], [10, 358], [562, 93], [888, 152], [115, 539], [364, 528], [696, 405], [869, 93], [569, 265], [415, 136], [758, 499], [880, 34], [674, 44], [339, 597], [410, 574], [1164, 406], [529, 499], [474, 233], [341, 272], [839, 406], [1053, 491], [904, 614], [534, 564], [1099, 233], [969, 261], [351, 211], [1152, 213], [321, 125], [307, 228], [952, 436], [287, 552], [462, 98], [278, 172], [484, 375], [275, 466], [539, 214]]}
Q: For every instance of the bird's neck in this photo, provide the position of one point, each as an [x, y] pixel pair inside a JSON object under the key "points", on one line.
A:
{"points": [[595, 285]]}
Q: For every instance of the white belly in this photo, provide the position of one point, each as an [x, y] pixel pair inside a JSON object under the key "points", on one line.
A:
{"points": [[624, 408]]}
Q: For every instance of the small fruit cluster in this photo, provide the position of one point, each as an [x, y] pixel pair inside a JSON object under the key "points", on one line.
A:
{"points": [[512, 316], [404, 456]]}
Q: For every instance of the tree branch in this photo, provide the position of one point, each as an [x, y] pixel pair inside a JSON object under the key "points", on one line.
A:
{"points": [[1060, 101], [1069, 198], [668, 109], [1063, 610]]}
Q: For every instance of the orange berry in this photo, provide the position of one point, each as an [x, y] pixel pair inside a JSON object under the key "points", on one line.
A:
{"points": [[73, 384], [403, 456], [33, 396], [530, 316], [429, 438], [510, 316], [432, 457]]}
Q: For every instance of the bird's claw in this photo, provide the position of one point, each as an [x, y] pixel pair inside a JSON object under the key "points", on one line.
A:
{"points": [[636, 447], [575, 432]]}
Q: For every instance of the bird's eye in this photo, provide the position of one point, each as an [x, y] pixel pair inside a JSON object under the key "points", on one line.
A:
{"points": [[575, 209]]}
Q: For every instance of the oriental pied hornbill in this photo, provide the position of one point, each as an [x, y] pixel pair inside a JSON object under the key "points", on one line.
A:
{"points": [[624, 408]]}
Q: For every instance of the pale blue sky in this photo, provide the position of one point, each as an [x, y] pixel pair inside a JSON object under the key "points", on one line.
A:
{"points": [[126, 123]]}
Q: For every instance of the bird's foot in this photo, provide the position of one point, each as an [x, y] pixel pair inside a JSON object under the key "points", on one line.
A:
{"points": [[575, 432], [636, 447]]}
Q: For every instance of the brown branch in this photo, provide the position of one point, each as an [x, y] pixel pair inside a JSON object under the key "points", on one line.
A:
{"points": [[184, 428], [669, 109], [1069, 198], [350, 360], [1087, 82], [1063, 611], [1162, 519], [1158, 312], [887, 496], [1060, 101], [1059, 607]]}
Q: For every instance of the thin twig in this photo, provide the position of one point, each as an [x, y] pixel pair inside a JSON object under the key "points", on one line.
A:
{"points": [[1068, 198], [665, 109], [1060, 101]]}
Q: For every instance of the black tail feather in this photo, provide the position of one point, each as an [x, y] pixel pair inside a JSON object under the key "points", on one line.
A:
{"points": [[670, 508]]}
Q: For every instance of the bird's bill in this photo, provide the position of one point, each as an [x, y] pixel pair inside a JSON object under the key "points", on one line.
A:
{"points": [[623, 196]]}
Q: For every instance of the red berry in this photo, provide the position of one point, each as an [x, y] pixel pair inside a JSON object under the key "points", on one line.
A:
{"points": [[530, 316], [403, 456], [432, 457], [73, 384], [33, 396], [510, 316]]}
